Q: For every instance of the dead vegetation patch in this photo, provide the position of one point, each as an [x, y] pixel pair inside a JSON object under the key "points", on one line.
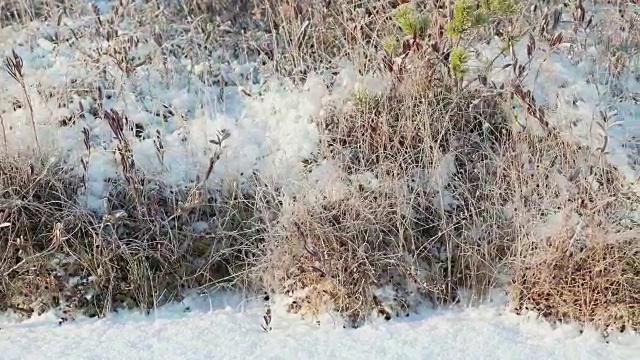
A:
{"points": [[434, 190]]}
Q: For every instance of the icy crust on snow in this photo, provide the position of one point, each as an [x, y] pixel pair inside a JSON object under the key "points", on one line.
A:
{"points": [[574, 85], [179, 108], [224, 327]]}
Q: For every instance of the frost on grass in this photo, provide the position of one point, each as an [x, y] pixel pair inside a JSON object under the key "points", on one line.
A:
{"points": [[178, 115], [587, 83], [133, 115], [362, 193]]}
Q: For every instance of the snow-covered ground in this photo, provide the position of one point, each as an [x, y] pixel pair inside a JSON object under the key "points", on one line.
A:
{"points": [[176, 106], [271, 132], [573, 83], [221, 327]]}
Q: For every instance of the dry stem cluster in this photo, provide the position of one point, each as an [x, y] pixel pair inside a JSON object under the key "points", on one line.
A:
{"points": [[459, 200]]}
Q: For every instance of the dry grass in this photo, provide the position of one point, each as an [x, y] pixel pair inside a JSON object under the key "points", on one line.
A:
{"points": [[596, 283], [456, 199], [59, 256], [576, 248], [19, 11]]}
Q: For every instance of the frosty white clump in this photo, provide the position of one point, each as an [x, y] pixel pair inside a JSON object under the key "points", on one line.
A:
{"points": [[174, 118], [582, 100]]}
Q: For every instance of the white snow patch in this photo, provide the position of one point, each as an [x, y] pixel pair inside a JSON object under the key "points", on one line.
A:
{"points": [[223, 327], [571, 82], [179, 116]]}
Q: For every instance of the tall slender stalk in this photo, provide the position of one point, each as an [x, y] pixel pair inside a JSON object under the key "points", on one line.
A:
{"points": [[14, 65]]}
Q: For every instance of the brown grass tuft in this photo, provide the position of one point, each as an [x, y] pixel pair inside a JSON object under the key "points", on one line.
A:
{"points": [[58, 256], [576, 256], [585, 276]]}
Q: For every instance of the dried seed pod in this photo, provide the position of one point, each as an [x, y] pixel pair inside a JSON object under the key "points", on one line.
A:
{"points": [[579, 13], [482, 79], [557, 16], [556, 40], [531, 46]]}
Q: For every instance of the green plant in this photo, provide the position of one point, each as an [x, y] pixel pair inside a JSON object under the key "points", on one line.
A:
{"points": [[410, 21], [364, 100], [458, 63], [390, 44], [499, 7], [466, 17], [451, 54]]}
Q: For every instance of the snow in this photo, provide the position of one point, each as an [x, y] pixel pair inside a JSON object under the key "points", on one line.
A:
{"points": [[272, 132], [182, 107], [572, 81], [224, 327], [180, 103]]}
